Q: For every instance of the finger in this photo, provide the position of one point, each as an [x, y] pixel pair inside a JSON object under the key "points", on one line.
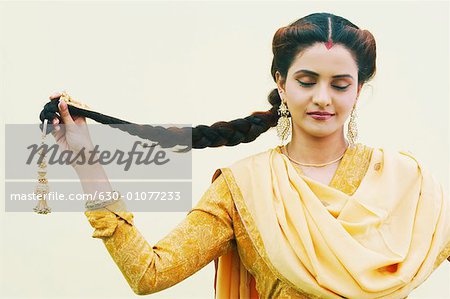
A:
{"points": [[58, 133], [55, 95], [64, 112], [79, 119], [54, 133], [56, 124]]}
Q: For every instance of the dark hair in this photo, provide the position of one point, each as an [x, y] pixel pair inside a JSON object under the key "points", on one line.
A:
{"points": [[287, 42]]}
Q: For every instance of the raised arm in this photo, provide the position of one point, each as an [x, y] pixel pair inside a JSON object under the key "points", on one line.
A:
{"points": [[202, 236], [205, 233]]}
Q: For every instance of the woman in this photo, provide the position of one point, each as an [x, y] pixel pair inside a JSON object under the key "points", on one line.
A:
{"points": [[322, 217]]}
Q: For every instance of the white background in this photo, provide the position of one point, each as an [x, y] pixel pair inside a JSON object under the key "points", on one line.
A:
{"points": [[198, 63]]}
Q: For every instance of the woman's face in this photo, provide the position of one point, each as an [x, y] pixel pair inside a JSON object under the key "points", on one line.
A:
{"points": [[320, 79]]}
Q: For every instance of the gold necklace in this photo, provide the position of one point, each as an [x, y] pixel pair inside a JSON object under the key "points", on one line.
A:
{"points": [[314, 165]]}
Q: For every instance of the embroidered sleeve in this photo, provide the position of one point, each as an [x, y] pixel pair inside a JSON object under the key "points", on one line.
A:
{"points": [[205, 234]]}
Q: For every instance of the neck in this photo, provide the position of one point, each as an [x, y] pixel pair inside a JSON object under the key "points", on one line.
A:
{"points": [[309, 149]]}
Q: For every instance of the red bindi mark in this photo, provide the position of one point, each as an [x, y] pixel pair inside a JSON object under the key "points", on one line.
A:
{"points": [[329, 44]]}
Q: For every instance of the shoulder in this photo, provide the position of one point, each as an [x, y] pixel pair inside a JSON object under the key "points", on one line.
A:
{"points": [[406, 165], [261, 157], [398, 157]]}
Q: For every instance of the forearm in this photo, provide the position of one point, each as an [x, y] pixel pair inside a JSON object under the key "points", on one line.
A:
{"points": [[93, 178]]}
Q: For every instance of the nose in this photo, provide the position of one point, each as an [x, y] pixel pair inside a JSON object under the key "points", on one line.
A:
{"points": [[322, 97]]}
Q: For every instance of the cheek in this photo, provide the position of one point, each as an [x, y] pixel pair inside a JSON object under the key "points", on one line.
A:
{"points": [[344, 108], [297, 98]]}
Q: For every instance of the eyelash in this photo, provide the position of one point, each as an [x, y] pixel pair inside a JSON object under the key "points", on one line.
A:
{"points": [[310, 84]]}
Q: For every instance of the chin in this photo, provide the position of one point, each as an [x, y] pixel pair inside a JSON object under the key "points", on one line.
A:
{"points": [[319, 133]]}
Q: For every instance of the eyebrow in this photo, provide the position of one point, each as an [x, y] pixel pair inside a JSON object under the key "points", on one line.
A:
{"points": [[317, 75]]}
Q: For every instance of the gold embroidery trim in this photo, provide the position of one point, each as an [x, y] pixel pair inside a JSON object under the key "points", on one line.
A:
{"points": [[352, 169], [445, 254], [253, 232]]}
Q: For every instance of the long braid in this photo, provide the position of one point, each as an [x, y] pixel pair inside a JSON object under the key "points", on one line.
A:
{"points": [[222, 133]]}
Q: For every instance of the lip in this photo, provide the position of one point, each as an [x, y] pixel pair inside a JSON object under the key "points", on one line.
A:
{"points": [[321, 117], [320, 113]]}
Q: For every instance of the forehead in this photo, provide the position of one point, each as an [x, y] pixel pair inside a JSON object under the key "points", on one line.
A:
{"points": [[325, 62]]}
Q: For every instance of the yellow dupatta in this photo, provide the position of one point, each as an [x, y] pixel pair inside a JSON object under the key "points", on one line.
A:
{"points": [[382, 241]]}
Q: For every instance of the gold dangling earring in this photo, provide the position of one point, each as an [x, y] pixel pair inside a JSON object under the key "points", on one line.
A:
{"points": [[352, 130], [283, 124]]}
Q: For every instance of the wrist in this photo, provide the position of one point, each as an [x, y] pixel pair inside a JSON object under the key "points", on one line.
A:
{"points": [[91, 173], [93, 179], [102, 201]]}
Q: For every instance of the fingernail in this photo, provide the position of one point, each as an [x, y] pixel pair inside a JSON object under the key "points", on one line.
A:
{"points": [[55, 95], [61, 105]]}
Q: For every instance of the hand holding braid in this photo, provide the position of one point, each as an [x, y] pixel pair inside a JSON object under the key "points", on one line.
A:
{"points": [[241, 130], [74, 136]]}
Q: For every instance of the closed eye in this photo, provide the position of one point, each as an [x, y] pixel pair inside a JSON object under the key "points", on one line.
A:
{"points": [[304, 84], [341, 87]]}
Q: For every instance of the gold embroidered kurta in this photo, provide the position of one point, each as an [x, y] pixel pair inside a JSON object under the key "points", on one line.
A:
{"points": [[210, 230]]}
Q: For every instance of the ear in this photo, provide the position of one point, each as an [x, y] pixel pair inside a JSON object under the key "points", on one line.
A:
{"points": [[280, 83]]}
